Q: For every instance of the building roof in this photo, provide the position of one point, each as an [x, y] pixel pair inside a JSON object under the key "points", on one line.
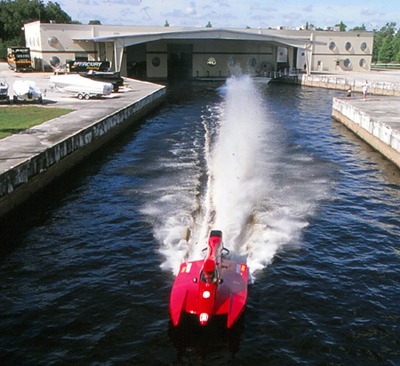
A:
{"points": [[159, 33]]}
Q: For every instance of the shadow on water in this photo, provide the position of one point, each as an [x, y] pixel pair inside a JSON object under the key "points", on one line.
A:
{"points": [[180, 92], [191, 339]]}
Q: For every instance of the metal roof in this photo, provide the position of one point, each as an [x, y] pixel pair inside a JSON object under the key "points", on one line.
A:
{"points": [[208, 33]]}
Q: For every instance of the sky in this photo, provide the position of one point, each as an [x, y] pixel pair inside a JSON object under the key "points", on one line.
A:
{"points": [[235, 13]]}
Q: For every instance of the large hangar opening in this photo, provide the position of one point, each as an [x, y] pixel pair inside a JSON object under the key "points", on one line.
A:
{"points": [[136, 61], [180, 62]]}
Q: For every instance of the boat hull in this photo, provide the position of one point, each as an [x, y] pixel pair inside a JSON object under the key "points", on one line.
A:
{"points": [[77, 84], [26, 90], [188, 292]]}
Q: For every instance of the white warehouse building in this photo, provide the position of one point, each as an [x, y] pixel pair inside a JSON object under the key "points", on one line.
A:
{"points": [[162, 53]]}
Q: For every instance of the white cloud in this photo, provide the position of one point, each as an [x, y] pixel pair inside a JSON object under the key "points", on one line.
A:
{"points": [[257, 7], [308, 9], [367, 12], [233, 13], [191, 10]]}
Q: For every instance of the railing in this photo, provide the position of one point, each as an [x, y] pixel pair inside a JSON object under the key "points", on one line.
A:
{"points": [[281, 73], [385, 66]]}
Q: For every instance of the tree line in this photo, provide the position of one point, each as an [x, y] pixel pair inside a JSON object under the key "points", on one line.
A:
{"points": [[387, 44], [15, 13]]}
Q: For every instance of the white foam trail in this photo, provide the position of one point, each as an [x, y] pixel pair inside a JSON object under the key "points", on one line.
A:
{"points": [[259, 195], [234, 162]]}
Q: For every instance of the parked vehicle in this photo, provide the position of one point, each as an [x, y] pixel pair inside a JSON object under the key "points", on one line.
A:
{"points": [[19, 58], [107, 77]]}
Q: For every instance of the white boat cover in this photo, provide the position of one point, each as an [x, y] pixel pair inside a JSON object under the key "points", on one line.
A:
{"points": [[24, 87], [75, 84]]}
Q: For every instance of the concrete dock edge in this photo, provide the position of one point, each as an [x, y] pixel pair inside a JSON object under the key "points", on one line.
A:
{"points": [[35, 172], [375, 121], [336, 82]]}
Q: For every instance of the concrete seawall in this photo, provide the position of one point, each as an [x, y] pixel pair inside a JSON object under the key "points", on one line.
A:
{"points": [[32, 159], [375, 120], [384, 86]]}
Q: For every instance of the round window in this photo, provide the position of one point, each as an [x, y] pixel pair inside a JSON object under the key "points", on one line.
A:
{"points": [[156, 61], [346, 62], [362, 62], [211, 61], [332, 46], [363, 46], [55, 61], [53, 41], [348, 46]]}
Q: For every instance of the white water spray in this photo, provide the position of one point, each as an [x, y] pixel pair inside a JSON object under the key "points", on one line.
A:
{"points": [[235, 184], [244, 194]]}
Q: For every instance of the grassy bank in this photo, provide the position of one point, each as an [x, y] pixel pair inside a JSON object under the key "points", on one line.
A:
{"points": [[16, 119]]}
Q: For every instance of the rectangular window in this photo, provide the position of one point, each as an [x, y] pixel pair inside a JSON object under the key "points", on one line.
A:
{"points": [[81, 57]]}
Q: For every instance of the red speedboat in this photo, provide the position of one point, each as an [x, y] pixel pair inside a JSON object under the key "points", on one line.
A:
{"points": [[213, 286]]}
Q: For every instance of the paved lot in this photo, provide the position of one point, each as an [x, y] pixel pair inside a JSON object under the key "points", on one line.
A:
{"points": [[53, 97], [19, 147]]}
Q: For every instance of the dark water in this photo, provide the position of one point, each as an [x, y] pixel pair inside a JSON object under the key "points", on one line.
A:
{"points": [[87, 269]]}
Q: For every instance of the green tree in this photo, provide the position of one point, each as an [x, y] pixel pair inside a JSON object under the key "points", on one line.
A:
{"points": [[53, 12], [15, 13], [166, 24], [94, 22], [310, 26], [386, 52], [341, 26], [389, 29], [362, 28], [209, 25], [396, 46], [386, 32]]}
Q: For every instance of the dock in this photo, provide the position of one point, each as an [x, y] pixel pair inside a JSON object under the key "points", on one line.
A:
{"points": [[376, 120], [32, 159]]}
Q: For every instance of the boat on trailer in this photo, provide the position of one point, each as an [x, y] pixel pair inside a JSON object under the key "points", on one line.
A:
{"points": [[80, 86], [26, 91]]}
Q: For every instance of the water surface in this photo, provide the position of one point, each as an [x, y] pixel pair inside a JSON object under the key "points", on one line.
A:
{"points": [[313, 210]]}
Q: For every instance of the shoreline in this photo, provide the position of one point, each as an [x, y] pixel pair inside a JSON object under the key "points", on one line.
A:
{"points": [[32, 159]]}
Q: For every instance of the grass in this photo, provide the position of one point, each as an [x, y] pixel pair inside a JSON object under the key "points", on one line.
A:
{"points": [[17, 119]]}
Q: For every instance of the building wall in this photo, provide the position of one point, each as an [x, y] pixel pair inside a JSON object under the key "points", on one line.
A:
{"points": [[49, 40], [344, 51], [325, 59]]}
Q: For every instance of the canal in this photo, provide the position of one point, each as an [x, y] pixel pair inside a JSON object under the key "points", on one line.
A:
{"points": [[86, 267]]}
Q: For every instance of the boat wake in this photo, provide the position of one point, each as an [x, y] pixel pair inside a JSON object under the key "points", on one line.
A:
{"points": [[235, 176]]}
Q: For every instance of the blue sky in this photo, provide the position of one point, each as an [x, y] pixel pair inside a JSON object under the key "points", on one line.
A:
{"points": [[235, 13]]}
